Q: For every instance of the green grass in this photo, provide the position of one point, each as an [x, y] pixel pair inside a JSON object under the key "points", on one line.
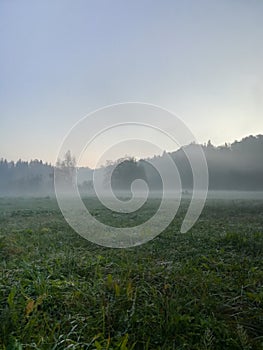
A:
{"points": [[199, 290]]}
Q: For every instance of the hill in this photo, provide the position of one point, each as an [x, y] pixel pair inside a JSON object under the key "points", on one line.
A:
{"points": [[237, 166]]}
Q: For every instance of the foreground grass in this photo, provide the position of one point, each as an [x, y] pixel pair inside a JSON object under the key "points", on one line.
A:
{"points": [[200, 290]]}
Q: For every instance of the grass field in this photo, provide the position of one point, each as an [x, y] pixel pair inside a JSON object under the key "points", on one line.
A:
{"points": [[199, 290]]}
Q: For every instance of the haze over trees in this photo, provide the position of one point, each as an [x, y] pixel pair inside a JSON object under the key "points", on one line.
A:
{"points": [[125, 172], [237, 166], [65, 170], [25, 178]]}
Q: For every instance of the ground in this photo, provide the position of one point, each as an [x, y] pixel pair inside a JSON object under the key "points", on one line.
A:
{"points": [[199, 290]]}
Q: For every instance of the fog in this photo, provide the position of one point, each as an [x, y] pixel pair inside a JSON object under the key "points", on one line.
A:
{"points": [[235, 171]]}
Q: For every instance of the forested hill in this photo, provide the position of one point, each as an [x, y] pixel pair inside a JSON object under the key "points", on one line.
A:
{"points": [[236, 166]]}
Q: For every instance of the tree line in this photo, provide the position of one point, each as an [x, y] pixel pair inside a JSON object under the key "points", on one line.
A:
{"points": [[236, 166], [23, 177]]}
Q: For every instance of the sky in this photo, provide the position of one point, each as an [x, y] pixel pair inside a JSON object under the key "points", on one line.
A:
{"points": [[60, 60]]}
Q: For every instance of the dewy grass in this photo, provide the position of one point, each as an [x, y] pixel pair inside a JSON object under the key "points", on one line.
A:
{"points": [[200, 290]]}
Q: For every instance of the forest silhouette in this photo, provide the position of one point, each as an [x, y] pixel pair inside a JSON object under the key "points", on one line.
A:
{"points": [[236, 166]]}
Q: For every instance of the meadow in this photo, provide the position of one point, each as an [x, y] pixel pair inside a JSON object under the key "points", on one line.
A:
{"points": [[199, 290]]}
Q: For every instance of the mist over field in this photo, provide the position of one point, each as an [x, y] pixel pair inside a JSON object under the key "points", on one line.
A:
{"points": [[233, 169]]}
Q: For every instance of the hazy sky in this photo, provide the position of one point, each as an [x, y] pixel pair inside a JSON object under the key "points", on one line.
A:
{"points": [[62, 59]]}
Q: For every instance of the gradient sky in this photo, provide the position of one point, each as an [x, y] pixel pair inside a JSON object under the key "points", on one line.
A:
{"points": [[62, 59]]}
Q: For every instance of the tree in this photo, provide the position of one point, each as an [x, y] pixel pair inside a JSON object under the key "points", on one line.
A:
{"points": [[126, 171], [66, 169]]}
